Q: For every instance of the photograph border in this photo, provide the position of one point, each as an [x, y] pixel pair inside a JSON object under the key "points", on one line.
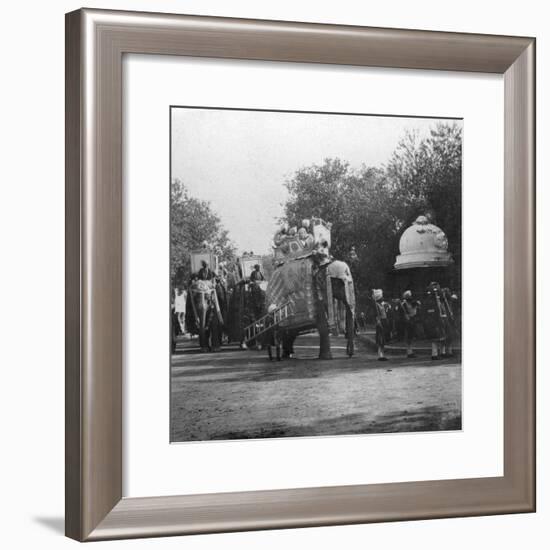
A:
{"points": [[96, 41], [173, 107]]}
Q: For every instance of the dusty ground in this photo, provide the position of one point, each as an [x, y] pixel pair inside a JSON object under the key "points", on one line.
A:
{"points": [[241, 395]]}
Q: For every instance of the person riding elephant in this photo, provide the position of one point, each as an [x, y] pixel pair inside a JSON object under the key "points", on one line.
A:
{"points": [[205, 273], [280, 235], [305, 238], [256, 276]]}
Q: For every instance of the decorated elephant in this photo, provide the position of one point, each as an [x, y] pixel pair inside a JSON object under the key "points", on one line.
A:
{"points": [[314, 286], [204, 312], [246, 304]]}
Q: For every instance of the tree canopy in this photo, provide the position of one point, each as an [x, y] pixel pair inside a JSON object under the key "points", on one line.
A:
{"points": [[425, 176], [371, 206], [193, 223]]}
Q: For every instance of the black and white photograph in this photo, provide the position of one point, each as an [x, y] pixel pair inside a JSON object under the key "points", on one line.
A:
{"points": [[273, 275], [315, 274]]}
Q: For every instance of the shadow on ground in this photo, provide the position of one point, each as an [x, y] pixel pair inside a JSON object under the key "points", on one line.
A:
{"points": [[234, 370], [422, 419]]}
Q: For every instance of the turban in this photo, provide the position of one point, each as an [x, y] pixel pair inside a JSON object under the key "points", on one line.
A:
{"points": [[377, 294]]}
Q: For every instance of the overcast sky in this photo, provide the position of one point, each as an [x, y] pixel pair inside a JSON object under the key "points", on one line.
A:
{"points": [[239, 160]]}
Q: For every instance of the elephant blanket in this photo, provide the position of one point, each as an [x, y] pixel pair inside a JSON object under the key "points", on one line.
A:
{"points": [[293, 282]]}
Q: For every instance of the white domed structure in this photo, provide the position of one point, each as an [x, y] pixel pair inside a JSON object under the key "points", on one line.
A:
{"points": [[423, 245]]}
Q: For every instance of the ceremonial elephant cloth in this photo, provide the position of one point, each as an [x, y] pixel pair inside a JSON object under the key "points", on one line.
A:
{"points": [[293, 282]]}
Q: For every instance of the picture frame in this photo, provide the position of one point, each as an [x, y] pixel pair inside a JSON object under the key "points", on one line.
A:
{"points": [[95, 43]]}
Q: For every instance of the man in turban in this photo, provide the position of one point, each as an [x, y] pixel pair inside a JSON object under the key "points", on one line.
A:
{"points": [[409, 309], [205, 273], [434, 319], [381, 322], [256, 276]]}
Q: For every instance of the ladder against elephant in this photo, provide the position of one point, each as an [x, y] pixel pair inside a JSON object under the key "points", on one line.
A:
{"points": [[267, 322]]}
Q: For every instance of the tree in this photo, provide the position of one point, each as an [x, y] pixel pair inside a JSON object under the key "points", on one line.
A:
{"points": [[371, 206], [193, 223], [310, 187], [357, 204], [425, 177]]}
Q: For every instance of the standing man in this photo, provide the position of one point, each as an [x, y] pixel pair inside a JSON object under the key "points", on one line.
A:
{"points": [[362, 321], [409, 308], [381, 322], [450, 321], [434, 319], [179, 307]]}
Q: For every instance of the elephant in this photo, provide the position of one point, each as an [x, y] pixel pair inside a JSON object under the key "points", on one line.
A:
{"points": [[204, 312], [330, 280], [245, 305], [341, 290]]}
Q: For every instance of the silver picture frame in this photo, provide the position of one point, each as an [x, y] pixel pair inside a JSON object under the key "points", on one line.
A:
{"points": [[96, 41]]}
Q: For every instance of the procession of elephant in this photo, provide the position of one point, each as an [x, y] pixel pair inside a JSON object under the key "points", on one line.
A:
{"points": [[308, 290], [300, 297]]}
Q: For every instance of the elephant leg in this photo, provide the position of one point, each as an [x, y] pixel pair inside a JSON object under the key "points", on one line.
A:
{"points": [[215, 335], [288, 344], [324, 336], [203, 329], [286, 347], [173, 344], [209, 339], [203, 339], [350, 331]]}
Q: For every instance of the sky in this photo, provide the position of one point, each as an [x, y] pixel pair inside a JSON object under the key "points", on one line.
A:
{"points": [[239, 160]]}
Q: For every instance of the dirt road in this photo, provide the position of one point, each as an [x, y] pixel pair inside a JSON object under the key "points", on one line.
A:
{"points": [[241, 395]]}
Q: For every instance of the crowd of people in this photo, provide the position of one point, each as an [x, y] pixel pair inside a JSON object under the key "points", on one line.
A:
{"points": [[435, 317]]}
